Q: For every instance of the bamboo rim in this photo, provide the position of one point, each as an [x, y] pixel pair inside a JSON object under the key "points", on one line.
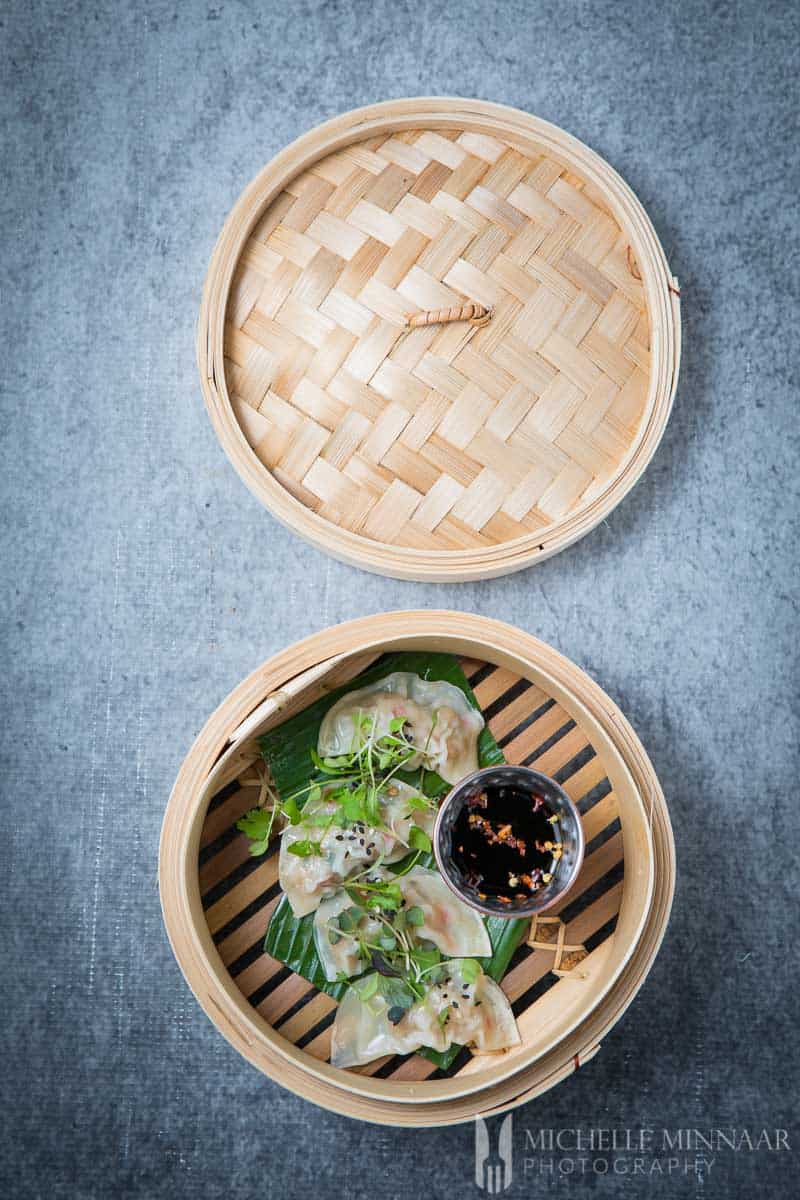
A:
{"points": [[633, 910], [178, 865], [521, 131]]}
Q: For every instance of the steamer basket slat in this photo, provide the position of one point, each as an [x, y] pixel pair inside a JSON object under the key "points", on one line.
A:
{"points": [[217, 900], [447, 451]]}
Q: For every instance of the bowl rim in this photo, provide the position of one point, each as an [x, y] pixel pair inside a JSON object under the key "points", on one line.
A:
{"points": [[457, 633], [528, 910], [521, 129]]}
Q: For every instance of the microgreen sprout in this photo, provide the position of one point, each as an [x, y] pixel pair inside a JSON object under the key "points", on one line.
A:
{"points": [[353, 787], [386, 935]]}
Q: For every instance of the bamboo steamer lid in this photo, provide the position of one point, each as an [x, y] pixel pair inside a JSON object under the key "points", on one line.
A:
{"points": [[408, 1097], [451, 450]]}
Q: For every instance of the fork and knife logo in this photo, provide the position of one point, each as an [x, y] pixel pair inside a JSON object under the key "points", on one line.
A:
{"points": [[493, 1169]]}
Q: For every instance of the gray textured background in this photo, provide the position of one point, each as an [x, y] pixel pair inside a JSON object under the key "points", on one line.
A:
{"points": [[141, 581]]}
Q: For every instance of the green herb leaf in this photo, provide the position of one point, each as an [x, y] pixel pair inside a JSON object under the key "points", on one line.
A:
{"points": [[372, 807], [368, 987], [405, 866], [443, 1015], [425, 959], [256, 823], [419, 804], [353, 807], [415, 916], [328, 766], [418, 839], [304, 848], [319, 820], [470, 970], [388, 901], [292, 811]]}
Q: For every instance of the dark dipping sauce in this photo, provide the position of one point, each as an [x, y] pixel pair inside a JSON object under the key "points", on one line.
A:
{"points": [[505, 843]]}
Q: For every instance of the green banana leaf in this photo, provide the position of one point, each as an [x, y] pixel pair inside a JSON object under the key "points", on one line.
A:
{"points": [[287, 750]]}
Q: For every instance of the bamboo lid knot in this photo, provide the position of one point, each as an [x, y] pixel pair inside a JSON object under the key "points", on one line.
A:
{"points": [[476, 314]]}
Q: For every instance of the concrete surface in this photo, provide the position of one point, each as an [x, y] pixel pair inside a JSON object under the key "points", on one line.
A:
{"points": [[141, 581]]}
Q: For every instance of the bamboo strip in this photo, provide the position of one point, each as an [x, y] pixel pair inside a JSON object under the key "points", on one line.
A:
{"points": [[242, 938], [223, 817]]}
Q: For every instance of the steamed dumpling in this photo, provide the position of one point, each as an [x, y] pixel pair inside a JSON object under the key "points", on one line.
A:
{"points": [[440, 722], [344, 852], [453, 1012], [399, 814], [308, 879], [343, 957], [458, 930], [455, 929]]}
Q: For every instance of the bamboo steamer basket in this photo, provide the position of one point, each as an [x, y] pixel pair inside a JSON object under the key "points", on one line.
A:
{"points": [[455, 450], [543, 1022], [562, 1027]]}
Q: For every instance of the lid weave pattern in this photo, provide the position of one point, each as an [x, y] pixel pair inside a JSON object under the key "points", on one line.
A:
{"points": [[439, 437]]}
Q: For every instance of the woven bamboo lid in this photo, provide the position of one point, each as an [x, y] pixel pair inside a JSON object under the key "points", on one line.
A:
{"points": [[453, 449]]}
